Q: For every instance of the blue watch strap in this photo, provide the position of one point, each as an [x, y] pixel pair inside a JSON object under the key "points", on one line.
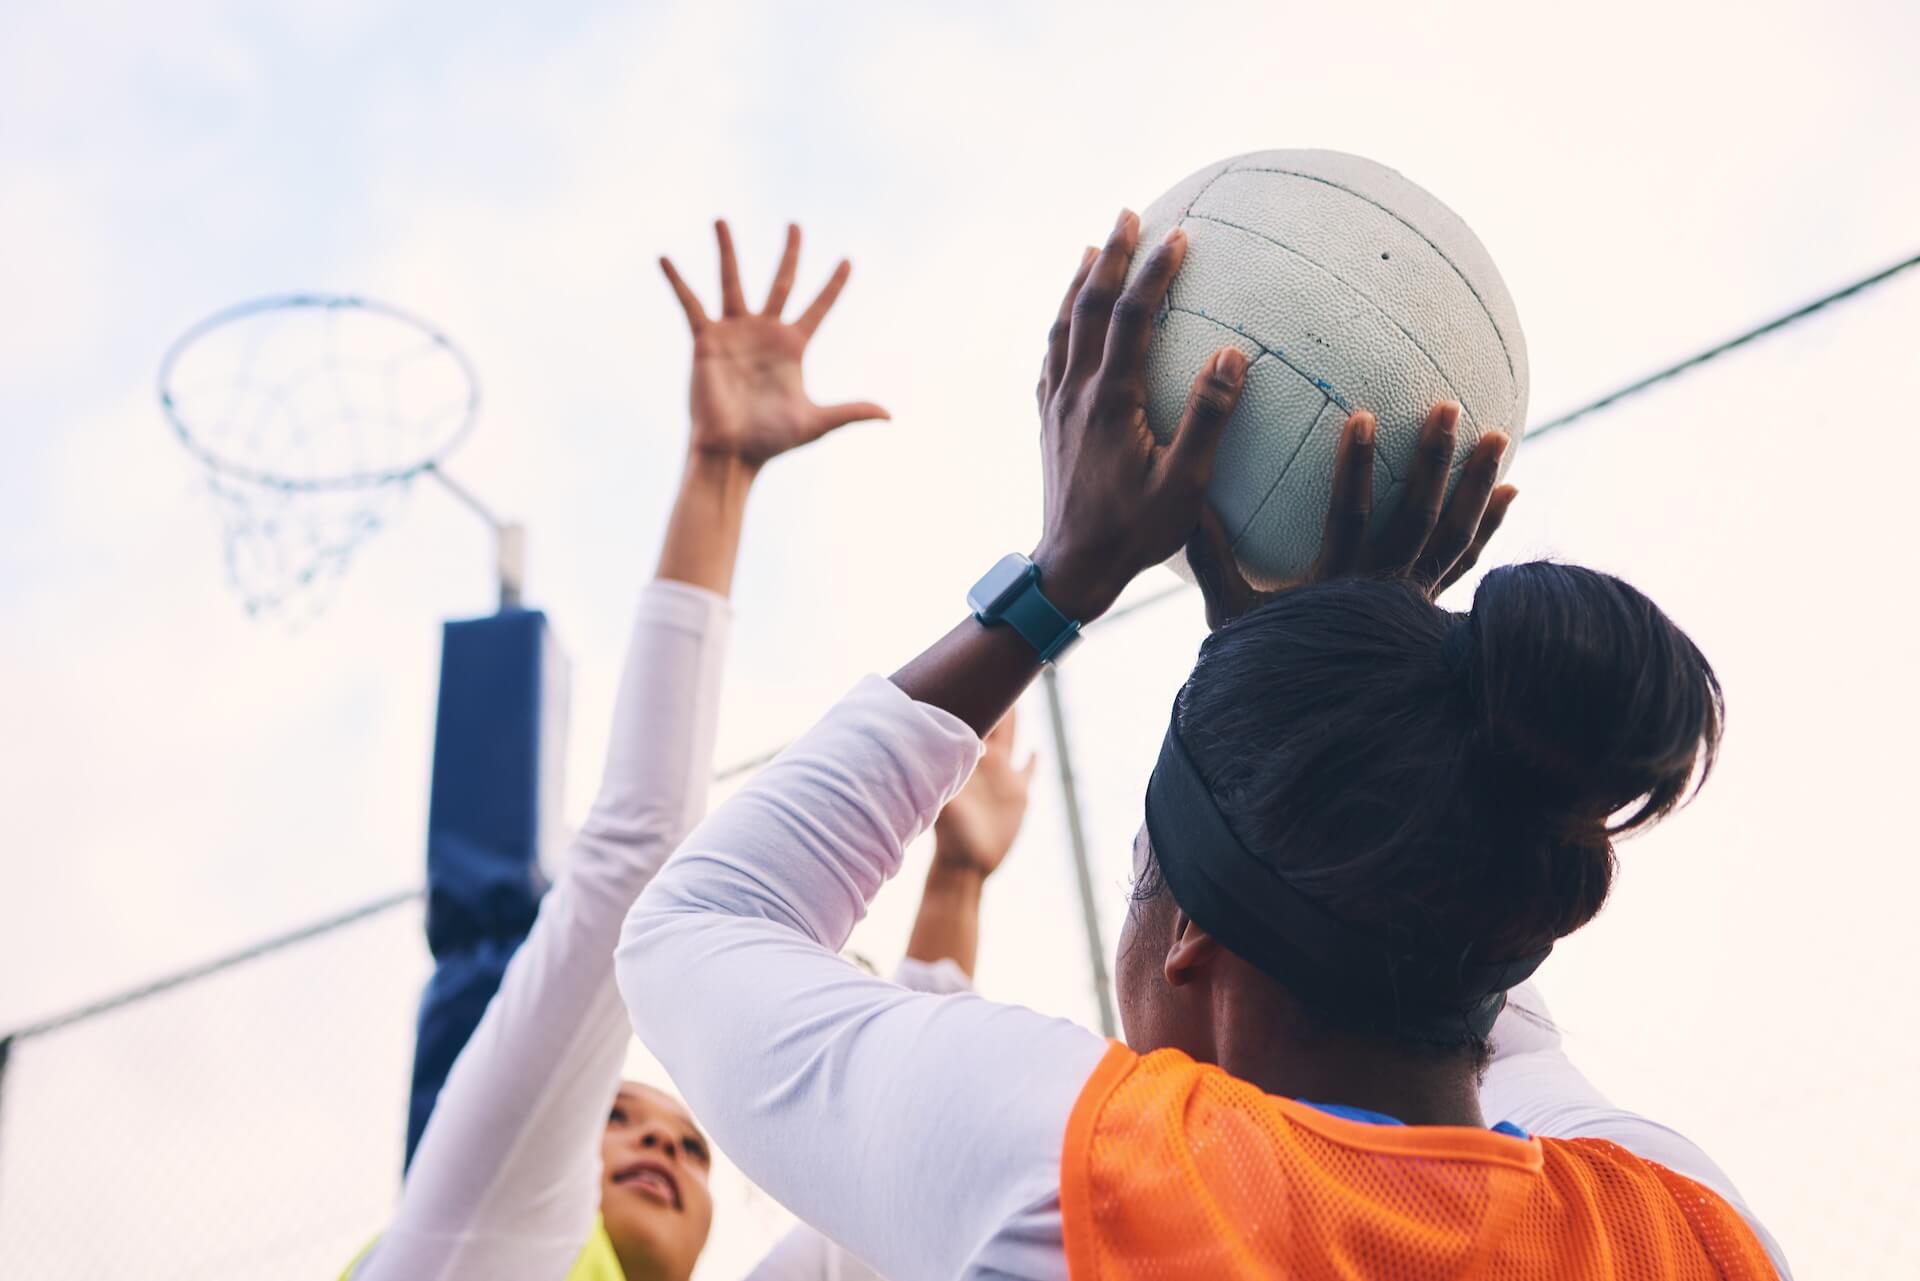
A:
{"points": [[1044, 627]]}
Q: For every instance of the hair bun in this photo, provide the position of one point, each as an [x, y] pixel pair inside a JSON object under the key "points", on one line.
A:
{"points": [[1591, 702]]}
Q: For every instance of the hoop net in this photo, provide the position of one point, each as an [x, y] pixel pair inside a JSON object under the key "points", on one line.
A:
{"points": [[312, 414]]}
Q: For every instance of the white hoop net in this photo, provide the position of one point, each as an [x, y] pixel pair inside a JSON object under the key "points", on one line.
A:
{"points": [[311, 414]]}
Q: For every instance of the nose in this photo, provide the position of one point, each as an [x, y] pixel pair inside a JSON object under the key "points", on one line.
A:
{"points": [[655, 1137]]}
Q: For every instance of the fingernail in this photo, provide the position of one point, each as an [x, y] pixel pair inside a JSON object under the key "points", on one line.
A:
{"points": [[1174, 236], [1233, 363], [1119, 224], [1363, 429]]}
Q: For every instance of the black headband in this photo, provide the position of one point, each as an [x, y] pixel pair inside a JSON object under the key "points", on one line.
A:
{"points": [[1257, 915]]}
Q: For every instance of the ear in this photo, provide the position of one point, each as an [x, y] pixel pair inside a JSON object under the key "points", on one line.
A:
{"points": [[1192, 952]]}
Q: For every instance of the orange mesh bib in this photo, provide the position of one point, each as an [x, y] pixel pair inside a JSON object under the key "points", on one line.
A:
{"points": [[1173, 1169]]}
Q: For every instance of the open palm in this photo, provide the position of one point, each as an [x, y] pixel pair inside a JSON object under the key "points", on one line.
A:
{"points": [[748, 398]]}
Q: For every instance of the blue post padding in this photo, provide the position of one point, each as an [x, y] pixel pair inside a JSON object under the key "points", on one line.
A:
{"points": [[483, 832], [450, 1009]]}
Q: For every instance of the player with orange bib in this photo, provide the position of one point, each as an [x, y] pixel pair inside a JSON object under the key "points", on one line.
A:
{"points": [[1369, 822]]}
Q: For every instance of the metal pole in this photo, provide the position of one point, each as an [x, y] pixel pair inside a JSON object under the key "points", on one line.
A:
{"points": [[509, 539], [1083, 870], [6, 1052]]}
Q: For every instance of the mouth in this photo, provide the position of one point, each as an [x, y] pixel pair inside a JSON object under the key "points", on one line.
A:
{"points": [[652, 1180]]}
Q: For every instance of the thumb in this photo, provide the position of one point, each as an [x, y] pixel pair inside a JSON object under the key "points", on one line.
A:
{"points": [[828, 417], [1216, 569]]}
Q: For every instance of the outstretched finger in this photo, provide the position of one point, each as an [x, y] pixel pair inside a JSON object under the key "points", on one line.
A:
{"points": [[1056, 363], [1131, 330], [689, 301], [1093, 309], [823, 302], [783, 277], [1210, 404], [1461, 520], [1497, 505], [732, 301], [1412, 523], [1351, 506]]}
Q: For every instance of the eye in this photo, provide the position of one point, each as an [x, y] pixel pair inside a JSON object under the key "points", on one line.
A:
{"points": [[694, 1147], [617, 1117]]}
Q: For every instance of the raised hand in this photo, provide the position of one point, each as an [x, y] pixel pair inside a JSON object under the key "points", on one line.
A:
{"points": [[978, 826], [1432, 540], [1117, 500], [749, 402]]}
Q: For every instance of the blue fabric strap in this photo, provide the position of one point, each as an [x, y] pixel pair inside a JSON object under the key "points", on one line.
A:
{"points": [[1042, 626]]}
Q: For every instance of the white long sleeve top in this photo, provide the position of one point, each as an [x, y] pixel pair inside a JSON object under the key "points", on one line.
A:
{"points": [[922, 1133], [506, 1179]]}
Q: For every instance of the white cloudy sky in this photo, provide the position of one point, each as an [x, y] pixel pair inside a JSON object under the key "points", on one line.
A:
{"points": [[178, 780]]}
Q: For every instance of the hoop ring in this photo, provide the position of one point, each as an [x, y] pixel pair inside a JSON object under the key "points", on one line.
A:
{"points": [[329, 303]]}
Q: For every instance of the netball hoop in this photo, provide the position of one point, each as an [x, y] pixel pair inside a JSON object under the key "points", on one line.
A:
{"points": [[313, 414]]}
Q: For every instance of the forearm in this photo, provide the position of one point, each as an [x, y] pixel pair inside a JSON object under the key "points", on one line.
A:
{"points": [[947, 927], [974, 672], [702, 542], [978, 673]]}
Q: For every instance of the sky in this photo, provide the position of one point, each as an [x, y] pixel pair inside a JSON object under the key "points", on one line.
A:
{"points": [[180, 779]]}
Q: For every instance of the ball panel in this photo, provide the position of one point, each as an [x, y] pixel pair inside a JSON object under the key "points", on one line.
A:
{"points": [[1276, 407], [1160, 217], [1278, 545], [1445, 229], [1383, 260], [1335, 338]]}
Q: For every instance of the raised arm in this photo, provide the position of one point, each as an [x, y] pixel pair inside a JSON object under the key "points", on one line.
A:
{"points": [[971, 839], [506, 1178]]}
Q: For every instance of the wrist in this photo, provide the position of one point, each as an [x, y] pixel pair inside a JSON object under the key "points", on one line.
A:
{"points": [[721, 474], [954, 871], [703, 529], [1080, 586]]}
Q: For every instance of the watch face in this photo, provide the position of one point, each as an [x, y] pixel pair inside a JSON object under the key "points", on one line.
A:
{"points": [[999, 585]]}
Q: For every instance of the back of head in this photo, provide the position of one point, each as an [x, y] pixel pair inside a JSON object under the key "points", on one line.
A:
{"points": [[1448, 787]]}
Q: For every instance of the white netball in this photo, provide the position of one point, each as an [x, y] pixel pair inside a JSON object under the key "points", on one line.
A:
{"points": [[1348, 287]]}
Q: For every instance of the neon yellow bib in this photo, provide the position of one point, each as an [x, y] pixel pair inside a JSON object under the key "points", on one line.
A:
{"points": [[597, 1261]]}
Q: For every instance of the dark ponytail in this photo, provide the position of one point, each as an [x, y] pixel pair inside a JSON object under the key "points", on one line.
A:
{"points": [[1452, 784]]}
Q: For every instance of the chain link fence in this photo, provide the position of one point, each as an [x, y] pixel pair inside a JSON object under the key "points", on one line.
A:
{"points": [[245, 1124]]}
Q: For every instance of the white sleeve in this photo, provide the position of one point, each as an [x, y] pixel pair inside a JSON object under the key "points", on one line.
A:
{"points": [[506, 1179], [803, 1254], [921, 1132], [1532, 1083]]}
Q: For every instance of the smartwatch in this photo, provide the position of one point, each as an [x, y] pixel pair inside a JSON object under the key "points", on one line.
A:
{"points": [[1010, 593]]}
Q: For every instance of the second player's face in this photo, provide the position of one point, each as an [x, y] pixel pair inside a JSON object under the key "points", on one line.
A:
{"points": [[654, 1195]]}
